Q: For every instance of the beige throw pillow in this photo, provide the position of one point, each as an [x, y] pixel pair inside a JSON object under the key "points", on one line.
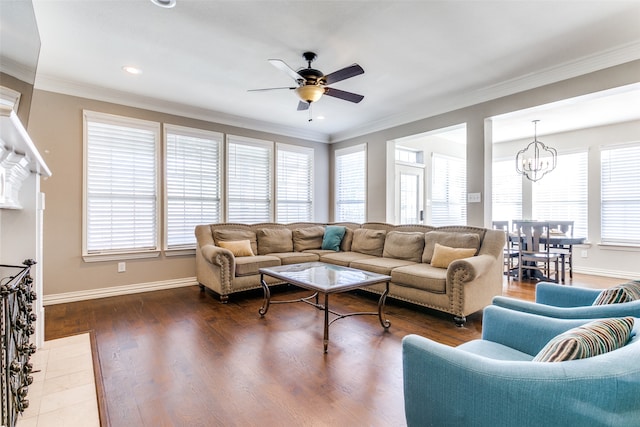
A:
{"points": [[238, 248], [444, 255]]}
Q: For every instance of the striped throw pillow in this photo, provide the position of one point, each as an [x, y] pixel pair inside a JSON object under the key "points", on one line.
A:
{"points": [[591, 339], [625, 292]]}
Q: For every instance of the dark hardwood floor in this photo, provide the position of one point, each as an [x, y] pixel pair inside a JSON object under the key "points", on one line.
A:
{"points": [[181, 358]]}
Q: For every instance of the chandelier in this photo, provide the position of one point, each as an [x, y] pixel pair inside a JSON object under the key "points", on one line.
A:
{"points": [[536, 159]]}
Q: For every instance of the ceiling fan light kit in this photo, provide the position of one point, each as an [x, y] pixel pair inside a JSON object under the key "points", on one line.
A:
{"points": [[312, 83]]}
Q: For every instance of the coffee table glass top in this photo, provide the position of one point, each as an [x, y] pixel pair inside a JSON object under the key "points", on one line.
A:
{"points": [[324, 277]]}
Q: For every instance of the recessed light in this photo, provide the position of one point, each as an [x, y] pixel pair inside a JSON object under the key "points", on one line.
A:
{"points": [[320, 117], [164, 3], [132, 70]]}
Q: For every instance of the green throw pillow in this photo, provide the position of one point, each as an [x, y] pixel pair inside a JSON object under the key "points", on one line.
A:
{"points": [[333, 235], [624, 292], [591, 339]]}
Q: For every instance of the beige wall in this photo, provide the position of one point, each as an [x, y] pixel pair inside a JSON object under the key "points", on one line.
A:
{"points": [[56, 127]]}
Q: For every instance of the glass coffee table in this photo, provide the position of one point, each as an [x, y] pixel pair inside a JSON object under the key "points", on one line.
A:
{"points": [[322, 278]]}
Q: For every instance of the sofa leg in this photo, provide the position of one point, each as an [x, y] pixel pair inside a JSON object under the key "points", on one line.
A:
{"points": [[460, 321], [224, 299]]}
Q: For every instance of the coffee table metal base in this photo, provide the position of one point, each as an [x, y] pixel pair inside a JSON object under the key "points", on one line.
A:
{"points": [[308, 300]]}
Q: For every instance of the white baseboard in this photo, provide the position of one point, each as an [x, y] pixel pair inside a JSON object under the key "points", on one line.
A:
{"points": [[117, 290], [607, 273]]}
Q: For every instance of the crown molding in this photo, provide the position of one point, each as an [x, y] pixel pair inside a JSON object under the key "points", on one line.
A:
{"points": [[439, 105], [67, 87]]}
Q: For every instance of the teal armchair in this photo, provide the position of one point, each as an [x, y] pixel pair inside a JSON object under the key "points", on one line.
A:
{"points": [[568, 302], [494, 382]]}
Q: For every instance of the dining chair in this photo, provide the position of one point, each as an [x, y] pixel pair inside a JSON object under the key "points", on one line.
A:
{"points": [[563, 228], [534, 256], [510, 251]]}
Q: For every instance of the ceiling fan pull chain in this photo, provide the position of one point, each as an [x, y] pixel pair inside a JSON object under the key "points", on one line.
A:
{"points": [[310, 114]]}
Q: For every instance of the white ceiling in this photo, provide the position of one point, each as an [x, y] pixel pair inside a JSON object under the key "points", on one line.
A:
{"points": [[420, 57]]}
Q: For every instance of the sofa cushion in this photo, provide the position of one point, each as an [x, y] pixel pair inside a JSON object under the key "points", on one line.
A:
{"points": [[421, 276], [591, 339], [272, 240], [287, 258], [229, 235], [249, 265], [379, 265], [307, 238], [625, 292], [332, 238], [448, 238], [404, 245], [369, 242], [343, 258], [444, 255], [347, 240], [237, 247]]}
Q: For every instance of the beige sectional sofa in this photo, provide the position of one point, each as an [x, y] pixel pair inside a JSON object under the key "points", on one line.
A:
{"points": [[423, 261]]}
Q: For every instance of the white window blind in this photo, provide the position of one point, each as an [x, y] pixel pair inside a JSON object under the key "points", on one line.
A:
{"points": [[121, 211], [294, 187], [351, 184], [506, 189], [620, 186], [250, 182], [192, 179], [562, 194], [448, 191]]}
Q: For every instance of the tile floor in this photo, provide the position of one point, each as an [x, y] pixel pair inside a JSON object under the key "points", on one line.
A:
{"points": [[63, 392]]}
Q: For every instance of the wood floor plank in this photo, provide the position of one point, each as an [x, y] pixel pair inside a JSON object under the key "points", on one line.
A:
{"points": [[179, 357]]}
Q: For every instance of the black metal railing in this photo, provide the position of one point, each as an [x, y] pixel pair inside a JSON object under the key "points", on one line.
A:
{"points": [[17, 327]]}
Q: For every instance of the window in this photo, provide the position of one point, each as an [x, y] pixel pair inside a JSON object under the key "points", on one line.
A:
{"points": [[250, 182], [620, 187], [294, 187], [449, 191], [506, 188], [562, 194], [192, 179], [120, 185], [351, 184]]}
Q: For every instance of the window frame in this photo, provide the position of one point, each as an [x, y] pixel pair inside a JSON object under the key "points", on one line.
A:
{"points": [[309, 152], [345, 152], [128, 253], [217, 138]]}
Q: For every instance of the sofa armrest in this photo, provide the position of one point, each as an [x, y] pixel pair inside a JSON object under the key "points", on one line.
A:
{"points": [[468, 269], [218, 256], [565, 296]]}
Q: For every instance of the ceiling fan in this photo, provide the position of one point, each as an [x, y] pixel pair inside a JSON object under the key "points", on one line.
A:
{"points": [[312, 83]]}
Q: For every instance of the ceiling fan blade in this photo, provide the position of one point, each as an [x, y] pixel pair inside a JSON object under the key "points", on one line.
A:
{"points": [[269, 88], [282, 66], [345, 73], [303, 106], [347, 96]]}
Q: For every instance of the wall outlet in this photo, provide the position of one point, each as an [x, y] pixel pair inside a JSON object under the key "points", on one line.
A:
{"points": [[584, 253], [122, 267], [474, 198]]}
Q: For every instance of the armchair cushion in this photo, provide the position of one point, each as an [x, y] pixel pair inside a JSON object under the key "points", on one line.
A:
{"points": [[625, 292], [594, 338]]}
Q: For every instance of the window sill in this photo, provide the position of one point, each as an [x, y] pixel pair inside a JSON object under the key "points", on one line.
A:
{"points": [[119, 256], [619, 247], [179, 252]]}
